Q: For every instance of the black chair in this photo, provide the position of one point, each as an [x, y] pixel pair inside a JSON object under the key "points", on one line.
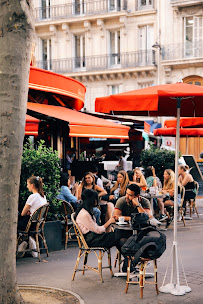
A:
{"points": [[66, 210], [35, 228]]}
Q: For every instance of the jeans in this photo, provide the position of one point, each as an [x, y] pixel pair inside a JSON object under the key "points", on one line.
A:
{"points": [[97, 214]]}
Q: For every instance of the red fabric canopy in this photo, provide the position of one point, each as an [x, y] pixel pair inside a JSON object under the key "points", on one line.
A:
{"points": [[155, 101], [81, 124], [192, 132], [185, 122], [31, 125], [70, 91]]}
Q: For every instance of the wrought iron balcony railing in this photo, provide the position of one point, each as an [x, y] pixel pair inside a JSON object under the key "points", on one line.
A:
{"points": [[185, 2], [182, 51], [79, 8], [101, 62]]}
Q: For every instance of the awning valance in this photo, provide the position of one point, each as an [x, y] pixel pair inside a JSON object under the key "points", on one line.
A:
{"points": [[185, 122], [31, 125], [69, 91], [81, 124]]}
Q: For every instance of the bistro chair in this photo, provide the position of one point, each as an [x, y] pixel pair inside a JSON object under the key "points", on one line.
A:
{"points": [[84, 250], [141, 281], [66, 211], [192, 202], [35, 228]]}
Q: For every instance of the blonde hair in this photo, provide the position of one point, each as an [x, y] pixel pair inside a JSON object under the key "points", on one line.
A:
{"points": [[142, 178], [184, 168], [123, 184], [84, 183], [169, 184]]}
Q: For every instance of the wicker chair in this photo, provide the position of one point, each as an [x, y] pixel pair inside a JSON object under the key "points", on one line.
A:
{"points": [[84, 250], [35, 228], [66, 211]]}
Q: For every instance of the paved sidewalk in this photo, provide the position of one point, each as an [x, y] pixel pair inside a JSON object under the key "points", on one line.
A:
{"points": [[56, 271]]}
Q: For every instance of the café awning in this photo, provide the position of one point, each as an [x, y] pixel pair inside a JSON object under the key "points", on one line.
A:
{"points": [[81, 124], [45, 85], [31, 125], [185, 122]]}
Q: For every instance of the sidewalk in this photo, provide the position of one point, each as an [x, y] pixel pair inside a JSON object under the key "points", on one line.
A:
{"points": [[56, 271]]}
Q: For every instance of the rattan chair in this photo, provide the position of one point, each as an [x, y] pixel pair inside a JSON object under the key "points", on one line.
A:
{"points": [[141, 281], [35, 228], [66, 211], [84, 250]]}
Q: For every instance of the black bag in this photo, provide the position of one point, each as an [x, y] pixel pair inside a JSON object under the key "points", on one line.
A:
{"points": [[149, 243], [139, 220]]}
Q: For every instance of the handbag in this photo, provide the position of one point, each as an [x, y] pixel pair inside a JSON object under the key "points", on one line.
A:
{"points": [[139, 220]]}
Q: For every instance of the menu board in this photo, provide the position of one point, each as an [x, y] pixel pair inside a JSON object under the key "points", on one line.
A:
{"points": [[200, 192]]}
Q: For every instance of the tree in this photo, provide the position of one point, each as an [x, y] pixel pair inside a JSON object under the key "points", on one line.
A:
{"points": [[16, 33]]}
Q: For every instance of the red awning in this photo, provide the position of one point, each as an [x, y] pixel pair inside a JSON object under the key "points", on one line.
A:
{"points": [[192, 132], [185, 122], [69, 91], [31, 125], [81, 124]]}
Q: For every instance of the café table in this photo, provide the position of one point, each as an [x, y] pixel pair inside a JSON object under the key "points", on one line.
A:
{"points": [[150, 197]]}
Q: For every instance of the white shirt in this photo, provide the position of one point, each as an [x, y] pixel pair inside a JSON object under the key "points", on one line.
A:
{"points": [[35, 201]]}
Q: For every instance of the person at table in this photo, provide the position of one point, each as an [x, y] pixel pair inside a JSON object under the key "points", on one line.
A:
{"points": [[65, 193], [119, 189], [186, 180], [95, 236], [88, 182], [168, 190], [139, 179], [36, 200], [150, 176]]}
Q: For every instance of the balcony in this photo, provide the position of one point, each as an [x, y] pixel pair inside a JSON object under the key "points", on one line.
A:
{"points": [[101, 62], [79, 8], [188, 52], [182, 3]]}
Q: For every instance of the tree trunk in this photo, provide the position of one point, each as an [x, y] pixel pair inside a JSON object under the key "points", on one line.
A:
{"points": [[16, 33]]}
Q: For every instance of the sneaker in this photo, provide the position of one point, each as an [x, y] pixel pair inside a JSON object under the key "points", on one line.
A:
{"points": [[21, 249], [154, 222], [163, 217]]}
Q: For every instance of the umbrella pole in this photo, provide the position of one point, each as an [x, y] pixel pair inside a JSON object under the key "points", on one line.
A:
{"points": [[174, 286]]}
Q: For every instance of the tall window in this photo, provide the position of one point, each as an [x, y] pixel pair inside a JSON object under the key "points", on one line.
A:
{"points": [[115, 48], [114, 5], [46, 9], [80, 51], [114, 89], [193, 36], [79, 7], [46, 54], [197, 80], [146, 34], [145, 4]]}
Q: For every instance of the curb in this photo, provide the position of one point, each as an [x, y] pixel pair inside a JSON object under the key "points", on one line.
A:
{"points": [[35, 287]]}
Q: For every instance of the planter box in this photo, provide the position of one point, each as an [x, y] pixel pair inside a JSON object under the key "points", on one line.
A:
{"points": [[53, 235]]}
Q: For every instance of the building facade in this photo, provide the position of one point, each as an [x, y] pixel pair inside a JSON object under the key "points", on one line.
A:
{"points": [[113, 46]]}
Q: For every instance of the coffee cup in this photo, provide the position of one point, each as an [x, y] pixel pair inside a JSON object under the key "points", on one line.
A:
{"points": [[121, 220]]}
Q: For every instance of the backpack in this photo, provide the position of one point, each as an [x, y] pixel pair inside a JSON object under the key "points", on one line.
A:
{"points": [[149, 243]]}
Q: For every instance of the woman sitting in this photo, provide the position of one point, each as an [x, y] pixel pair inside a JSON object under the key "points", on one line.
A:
{"points": [[139, 179], [168, 190], [65, 193], [88, 182], [35, 200], [95, 236], [186, 180], [119, 189], [151, 177]]}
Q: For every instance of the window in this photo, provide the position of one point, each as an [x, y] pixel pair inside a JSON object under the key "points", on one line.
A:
{"points": [[46, 54], [79, 7], [114, 5], [146, 39], [115, 48], [193, 36], [46, 9], [197, 80], [80, 51], [143, 85], [114, 89], [145, 4]]}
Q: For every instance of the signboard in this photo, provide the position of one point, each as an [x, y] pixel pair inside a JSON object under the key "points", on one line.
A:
{"points": [[196, 169]]}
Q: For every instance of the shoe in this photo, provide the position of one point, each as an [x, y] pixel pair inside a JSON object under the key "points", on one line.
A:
{"points": [[154, 222], [169, 221], [163, 217], [21, 249]]}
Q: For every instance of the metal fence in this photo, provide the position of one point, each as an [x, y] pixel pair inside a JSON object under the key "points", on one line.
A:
{"points": [[101, 62], [82, 8], [182, 51]]}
